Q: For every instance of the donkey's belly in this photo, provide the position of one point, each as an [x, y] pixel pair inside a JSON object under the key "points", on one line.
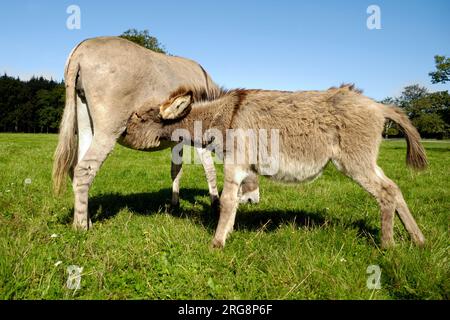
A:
{"points": [[158, 145], [290, 170]]}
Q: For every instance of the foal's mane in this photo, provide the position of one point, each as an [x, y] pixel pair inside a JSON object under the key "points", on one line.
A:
{"points": [[199, 94], [202, 94]]}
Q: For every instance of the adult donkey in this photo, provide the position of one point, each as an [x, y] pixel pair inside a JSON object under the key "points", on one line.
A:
{"points": [[107, 79]]}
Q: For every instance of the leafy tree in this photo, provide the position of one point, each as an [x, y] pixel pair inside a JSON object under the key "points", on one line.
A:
{"points": [[434, 103], [442, 73], [24, 104], [430, 125], [410, 94], [49, 112], [430, 112], [144, 39]]}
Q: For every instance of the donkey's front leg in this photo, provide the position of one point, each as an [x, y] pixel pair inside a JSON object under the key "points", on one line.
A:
{"points": [[228, 203], [210, 173], [176, 170]]}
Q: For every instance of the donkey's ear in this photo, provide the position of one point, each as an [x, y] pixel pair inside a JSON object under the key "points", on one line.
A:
{"points": [[176, 108]]}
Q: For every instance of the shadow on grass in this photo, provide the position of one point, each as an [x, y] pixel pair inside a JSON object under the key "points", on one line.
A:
{"points": [[249, 217]]}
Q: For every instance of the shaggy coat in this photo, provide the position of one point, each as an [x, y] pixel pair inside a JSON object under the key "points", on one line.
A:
{"points": [[315, 127]]}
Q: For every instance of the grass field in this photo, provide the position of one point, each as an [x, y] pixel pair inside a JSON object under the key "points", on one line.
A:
{"points": [[301, 242]]}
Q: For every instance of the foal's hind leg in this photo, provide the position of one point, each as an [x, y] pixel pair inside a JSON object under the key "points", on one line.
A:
{"points": [[384, 191], [84, 174], [402, 210], [389, 198], [408, 221]]}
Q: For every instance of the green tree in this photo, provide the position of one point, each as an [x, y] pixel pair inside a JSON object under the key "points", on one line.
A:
{"points": [[430, 125], [144, 39], [436, 102], [442, 73], [409, 98], [35, 105], [430, 112], [50, 106], [410, 94]]}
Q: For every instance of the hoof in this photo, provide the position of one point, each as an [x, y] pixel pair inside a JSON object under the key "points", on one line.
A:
{"points": [[419, 239], [82, 225], [217, 244], [387, 244], [175, 199]]}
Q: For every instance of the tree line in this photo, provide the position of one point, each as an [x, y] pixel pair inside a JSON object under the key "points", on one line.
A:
{"points": [[36, 105], [32, 106]]}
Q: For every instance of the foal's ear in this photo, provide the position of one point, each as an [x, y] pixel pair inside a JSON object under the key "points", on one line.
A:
{"points": [[176, 107]]}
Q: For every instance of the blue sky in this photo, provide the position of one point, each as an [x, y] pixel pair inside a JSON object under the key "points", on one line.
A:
{"points": [[289, 45]]}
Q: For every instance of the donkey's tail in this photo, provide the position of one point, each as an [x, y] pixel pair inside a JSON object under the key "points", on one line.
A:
{"points": [[66, 151], [415, 155]]}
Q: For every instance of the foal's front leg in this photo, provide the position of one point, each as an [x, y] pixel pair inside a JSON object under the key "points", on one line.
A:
{"points": [[233, 177]]}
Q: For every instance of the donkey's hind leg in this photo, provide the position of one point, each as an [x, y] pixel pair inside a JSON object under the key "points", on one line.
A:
{"points": [[379, 186], [84, 128], [84, 174], [389, 187], [389, 198], [385, 192], [408, 220]]}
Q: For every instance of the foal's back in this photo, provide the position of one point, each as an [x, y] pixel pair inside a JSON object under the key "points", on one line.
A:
{"points": [[314, 124]]}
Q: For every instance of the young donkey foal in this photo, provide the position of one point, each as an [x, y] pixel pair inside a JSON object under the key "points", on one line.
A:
{"points": [[339, 124]]}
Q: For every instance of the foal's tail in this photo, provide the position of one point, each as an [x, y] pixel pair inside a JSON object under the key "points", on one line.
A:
{"points": [[415, 155], [66, 152]]}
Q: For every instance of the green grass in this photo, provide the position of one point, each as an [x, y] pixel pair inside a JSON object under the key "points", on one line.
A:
{"points": [[306, 241]]}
